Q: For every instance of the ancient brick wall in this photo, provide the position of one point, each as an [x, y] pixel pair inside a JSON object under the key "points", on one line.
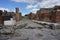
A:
{"points": [[46, 17], [44, 14], [56, 14]]}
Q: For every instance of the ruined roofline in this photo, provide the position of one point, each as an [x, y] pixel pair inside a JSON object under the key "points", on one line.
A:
{"points": [[46, 8]]}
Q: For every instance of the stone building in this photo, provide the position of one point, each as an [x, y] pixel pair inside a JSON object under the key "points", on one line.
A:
{"points": [[18, 15], [49, 14], [8, 18], [6, 15], [31, 16], [12, 14], [46, 17], [55, 16], [45, 14]]}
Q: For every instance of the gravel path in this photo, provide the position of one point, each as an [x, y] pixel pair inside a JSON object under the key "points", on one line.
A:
{"points": [[29, 23]]}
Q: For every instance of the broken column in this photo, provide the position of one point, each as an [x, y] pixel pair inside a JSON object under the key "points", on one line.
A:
{"points": [[18, 15]]}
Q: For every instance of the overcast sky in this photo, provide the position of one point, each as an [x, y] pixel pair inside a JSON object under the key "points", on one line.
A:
{"points": [[27, 6]]}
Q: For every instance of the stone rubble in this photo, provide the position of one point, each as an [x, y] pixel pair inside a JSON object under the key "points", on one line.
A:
{"points": [[31, 34]]}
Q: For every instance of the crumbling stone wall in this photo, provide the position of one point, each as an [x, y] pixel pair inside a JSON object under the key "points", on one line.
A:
{"points": [[56, 14]]}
